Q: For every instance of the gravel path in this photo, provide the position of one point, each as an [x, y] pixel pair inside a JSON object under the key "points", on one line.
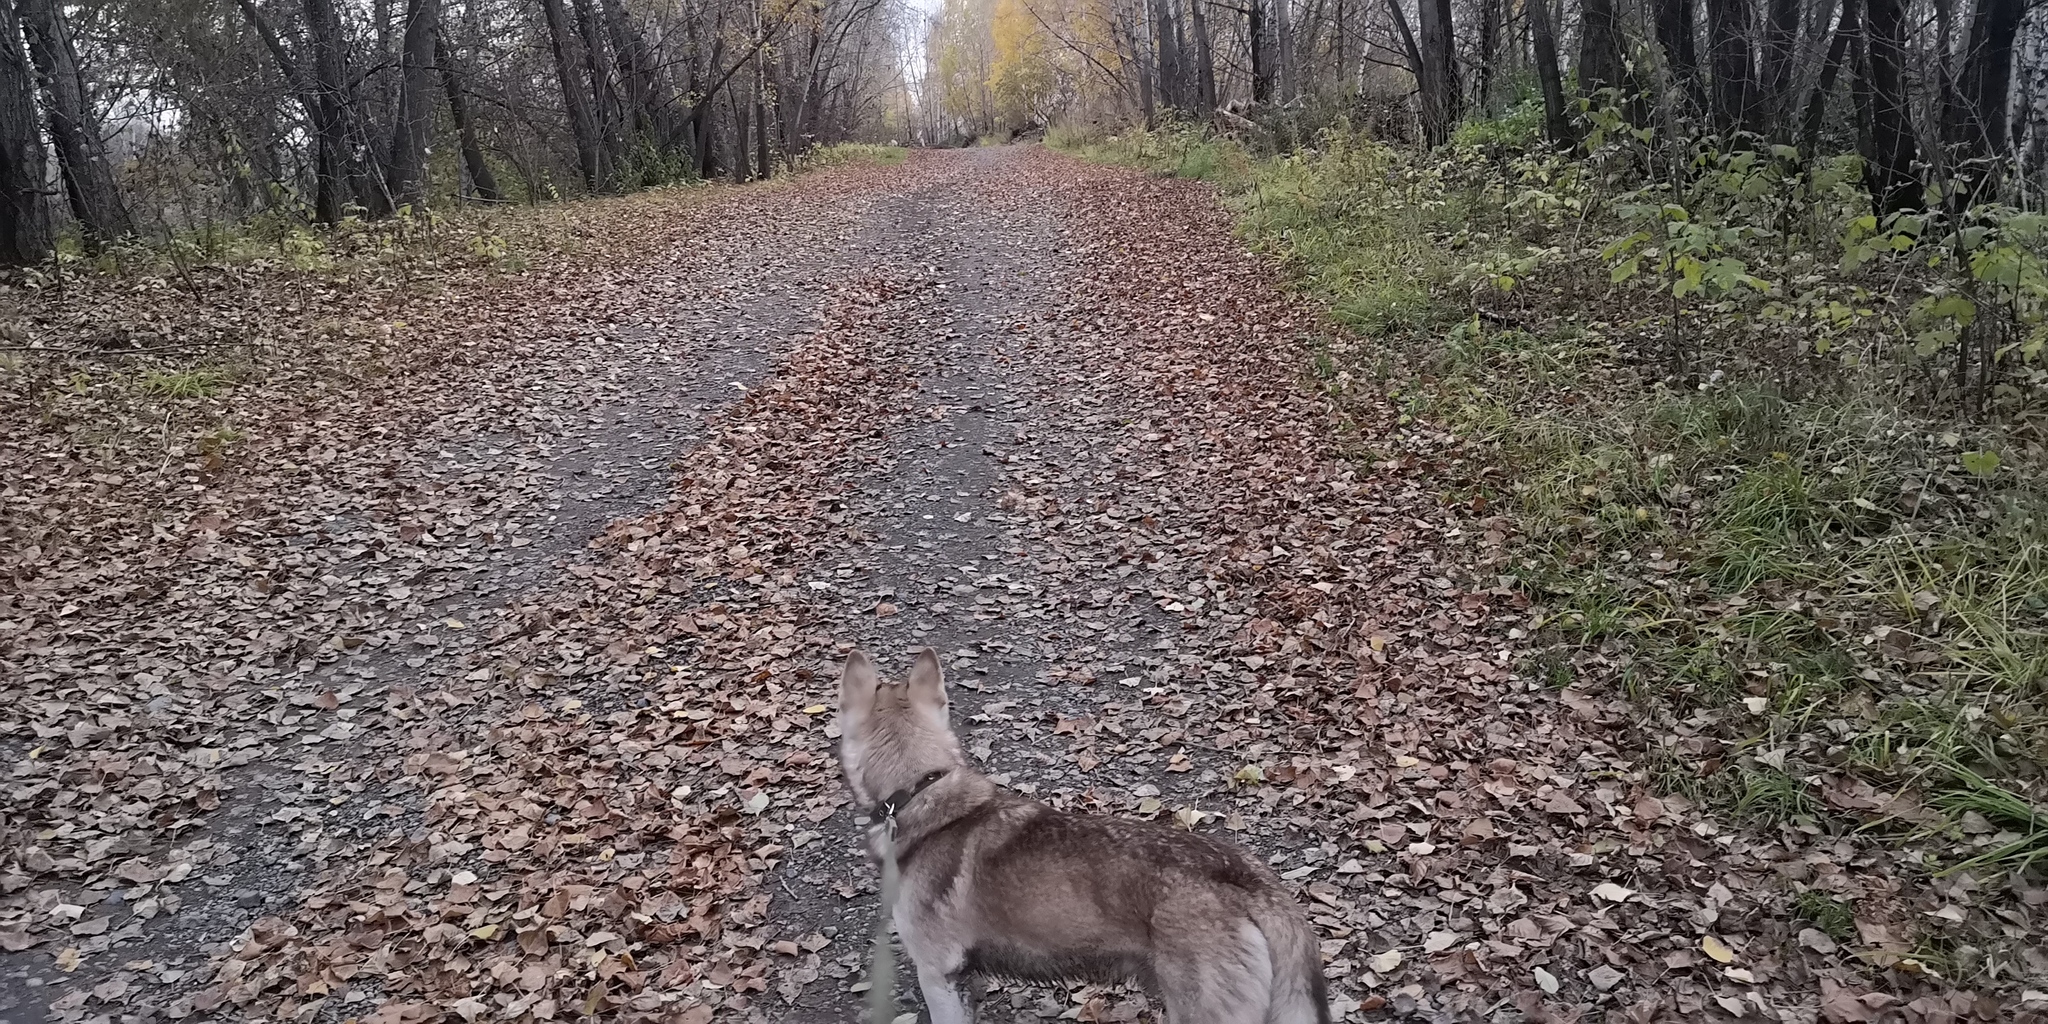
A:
{"points": [[1050, 419]]}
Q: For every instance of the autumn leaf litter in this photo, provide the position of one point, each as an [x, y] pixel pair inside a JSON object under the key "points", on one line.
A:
{"points": [[1051, 419]]}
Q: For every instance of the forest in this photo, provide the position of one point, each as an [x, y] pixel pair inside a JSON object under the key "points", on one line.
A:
{"points": [[145, 119], [149, 120], [1561, 479]]}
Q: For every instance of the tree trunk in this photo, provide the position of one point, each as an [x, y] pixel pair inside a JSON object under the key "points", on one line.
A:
{"points": [[1599, 47], [25, 232], [1675, 35], [640, 72], [1846, 26], [604, 92], [1337, 43], [1205, 60], [1489, 44], [1147, 62], [1439, 82], [740, 169], [1734, 65], [1975, 128], [88, 177], [331, 159], [764, 163], [1780, 48], [1261, 51], [1892, 183], [576, 94], [482, 183], [415, 121], [2031, 134], [1283, 48], [1172, 59], [1543, 39]]}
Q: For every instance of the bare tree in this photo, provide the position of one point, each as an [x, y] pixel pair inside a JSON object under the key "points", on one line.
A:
{"points": [[1975, 124], [74, 125], [25, 232], [1599, 46], [576, 98], [483, 182], [1893, 147], [408, 164], [1543, 38]]}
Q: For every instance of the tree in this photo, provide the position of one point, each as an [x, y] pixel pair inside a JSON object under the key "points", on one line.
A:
{"points": [[1599, 47], [1975, 129], [408, 165], [1846, 29], [483, 184], [1258, 27], [25, 235], [1557, 124], [335, 166], [74, 126], [1780, 48], [591, 156], [1022, 75], [1734, 65], [1430, 60], [1674, 23], [1890, 176], [1205, 59]]}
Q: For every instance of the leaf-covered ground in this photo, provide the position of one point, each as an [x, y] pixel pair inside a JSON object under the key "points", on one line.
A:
{"points": [[474, 664]]}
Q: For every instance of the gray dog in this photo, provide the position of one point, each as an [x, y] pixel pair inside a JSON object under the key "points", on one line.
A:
{"points": [[994, 884]]}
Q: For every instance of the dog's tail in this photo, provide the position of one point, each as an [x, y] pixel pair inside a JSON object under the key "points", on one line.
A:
{"points": [[1299, 994]]}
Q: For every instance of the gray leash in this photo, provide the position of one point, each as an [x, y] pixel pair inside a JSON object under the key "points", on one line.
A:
{"points": [[882, 972]]}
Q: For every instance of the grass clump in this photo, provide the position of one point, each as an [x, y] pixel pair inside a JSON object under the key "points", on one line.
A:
{"points": [[856, 152], [186, 383], [1833, 917]]}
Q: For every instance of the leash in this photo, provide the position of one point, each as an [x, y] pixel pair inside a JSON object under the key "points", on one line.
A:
{"points": [[882, 972], [882, 968]]}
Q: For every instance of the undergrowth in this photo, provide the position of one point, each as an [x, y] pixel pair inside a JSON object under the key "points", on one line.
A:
{"points": [[1771, 462], [845, 152], [506, 237]]}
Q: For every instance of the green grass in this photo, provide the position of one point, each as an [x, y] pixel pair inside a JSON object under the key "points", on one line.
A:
{"points": [[2018, 831], [1834, 917], [198, 383], [1795, 537], [856, 152]]}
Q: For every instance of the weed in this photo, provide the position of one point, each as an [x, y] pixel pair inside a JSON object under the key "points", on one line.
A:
{"points": [[200, 383], [1772, 795], [849, 152], [2021, 836], [1834, 917]]}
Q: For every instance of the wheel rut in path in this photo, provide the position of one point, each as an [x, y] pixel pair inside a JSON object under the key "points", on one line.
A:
{"points": [[1047, 639]]}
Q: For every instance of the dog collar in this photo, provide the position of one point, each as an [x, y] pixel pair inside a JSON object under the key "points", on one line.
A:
{"points": [[894, 802]]}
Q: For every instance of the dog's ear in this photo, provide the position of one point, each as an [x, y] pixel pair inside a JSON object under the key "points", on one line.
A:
{"points": [[928, 686], [857, 684]]}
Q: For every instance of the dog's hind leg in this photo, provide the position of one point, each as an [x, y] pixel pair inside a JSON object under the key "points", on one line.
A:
{"points": [[945, 998]]}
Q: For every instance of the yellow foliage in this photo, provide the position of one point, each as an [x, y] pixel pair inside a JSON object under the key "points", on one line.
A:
{"points": [[1023, 77]]}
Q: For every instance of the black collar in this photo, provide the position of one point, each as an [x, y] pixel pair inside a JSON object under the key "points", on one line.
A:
{"points": [[893, 804]]}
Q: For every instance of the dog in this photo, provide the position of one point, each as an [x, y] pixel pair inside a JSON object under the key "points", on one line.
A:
{"points": [[994, 884]]}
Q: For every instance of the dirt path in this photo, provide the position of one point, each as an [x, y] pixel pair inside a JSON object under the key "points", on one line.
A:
{"points": [[1050, 419]]}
